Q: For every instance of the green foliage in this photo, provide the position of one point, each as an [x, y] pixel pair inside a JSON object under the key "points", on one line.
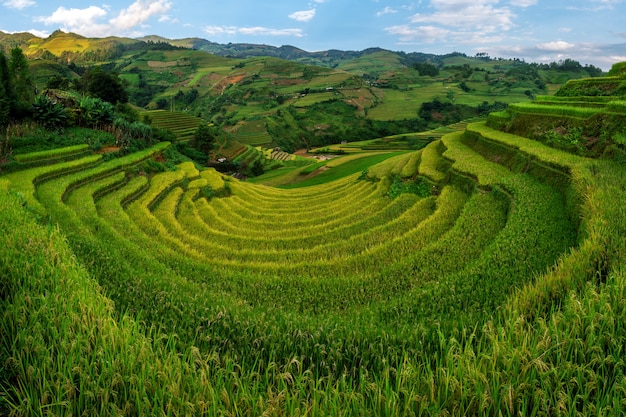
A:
{"points": [[555, 110], [204, 138], [445, 112], [426, 69], [104, 85], [418, 186], [257, 168], [9, 103], [95, 112], [55, 153], [602, 86], [132, 136], [568, 140], [39, 139], [618, 70], [191, 152], [48, 114], [21, 79]]}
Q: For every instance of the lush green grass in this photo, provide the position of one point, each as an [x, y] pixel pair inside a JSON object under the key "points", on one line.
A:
{"points": [[555, 110], [56, 153]]}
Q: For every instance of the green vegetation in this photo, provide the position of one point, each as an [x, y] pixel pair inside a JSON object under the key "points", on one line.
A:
{"points": [[285, 97], [482, 274]]}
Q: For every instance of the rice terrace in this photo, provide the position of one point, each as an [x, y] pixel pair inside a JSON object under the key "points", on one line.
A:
{"points": [[470, 261]]}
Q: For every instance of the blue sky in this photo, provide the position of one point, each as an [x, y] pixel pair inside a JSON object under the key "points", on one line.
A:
{"points": [[592, 31]]}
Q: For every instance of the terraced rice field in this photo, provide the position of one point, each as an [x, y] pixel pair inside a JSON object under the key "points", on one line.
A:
{"points": [[190, 293], [183, 125]]}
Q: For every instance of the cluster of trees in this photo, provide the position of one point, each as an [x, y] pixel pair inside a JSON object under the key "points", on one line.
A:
{"points": [[16, 87], [426, 69], [19, 99], [96, 100], [571, 65], [444, 112]]}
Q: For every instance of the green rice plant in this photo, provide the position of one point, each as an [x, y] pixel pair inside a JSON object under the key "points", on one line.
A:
{"points": [[555, 110], [309, 169], [411, 168], [472, 164], [391, 166], [431, 161], [346, 167], [190, 169], [566, 99], [358, 222], [51, 154], [212, 217], [24, 182], [67, 352], [400, 218], [617, 106], [553, 157], [214, 179]]}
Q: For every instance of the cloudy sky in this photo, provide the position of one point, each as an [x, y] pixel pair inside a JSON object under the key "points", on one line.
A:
{"points": [[591, 31]]}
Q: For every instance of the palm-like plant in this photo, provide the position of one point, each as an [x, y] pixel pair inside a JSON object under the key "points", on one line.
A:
{"points": [[49, 114]]}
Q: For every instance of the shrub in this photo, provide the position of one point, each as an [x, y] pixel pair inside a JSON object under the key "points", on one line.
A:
{"points": [[48, 114]]}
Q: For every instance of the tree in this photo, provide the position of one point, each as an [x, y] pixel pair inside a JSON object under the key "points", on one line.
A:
{"points": [[6, 92], [23, 87], [257, 168], [426, 69], [104, 85], [204, 138]]}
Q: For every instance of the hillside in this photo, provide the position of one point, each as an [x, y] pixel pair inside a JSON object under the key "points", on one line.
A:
{"points": [[296, 99], [480, 275]]}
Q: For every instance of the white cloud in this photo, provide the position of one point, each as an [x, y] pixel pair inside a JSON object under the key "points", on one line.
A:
{"points": [[602, 5], [523, 3], [458, 22], [262, 31], [138, 12], [427, 34], [18, 4], [555, 46], [386, 10], [35, 32], [303, 16], [600, 55], [167, 18], [92, 20], [477, 15], [82, 21], [251, 31], [39, 33], [220, 30]]}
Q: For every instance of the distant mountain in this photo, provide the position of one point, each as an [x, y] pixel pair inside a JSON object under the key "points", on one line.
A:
{"points": [[70, 45], [330, 58]]}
